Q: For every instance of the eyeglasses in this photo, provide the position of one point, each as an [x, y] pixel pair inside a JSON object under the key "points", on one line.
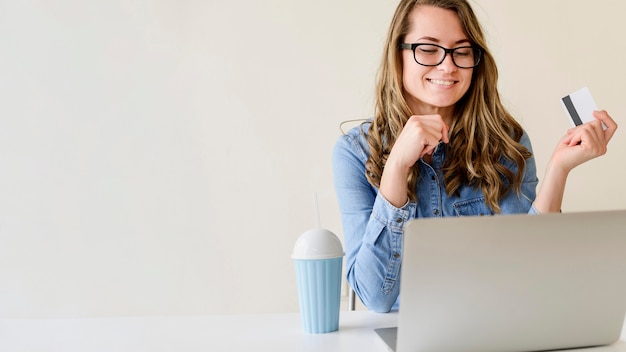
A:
{"points": [[433, 54]]}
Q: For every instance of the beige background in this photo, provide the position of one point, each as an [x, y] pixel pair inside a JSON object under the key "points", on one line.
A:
{"points": [[161, 157]]}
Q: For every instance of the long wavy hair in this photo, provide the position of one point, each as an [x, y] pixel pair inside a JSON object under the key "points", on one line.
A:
{"points": [[483, 133]]}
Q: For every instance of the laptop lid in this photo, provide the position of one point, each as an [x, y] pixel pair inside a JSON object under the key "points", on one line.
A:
{"points": [[513, 283]]}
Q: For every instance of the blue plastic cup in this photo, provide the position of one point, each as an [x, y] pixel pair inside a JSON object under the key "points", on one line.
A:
{"points": [[318, 259], [319, 294]]}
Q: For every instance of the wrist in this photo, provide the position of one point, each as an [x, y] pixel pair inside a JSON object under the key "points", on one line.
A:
{"points": [[556, 173], [393, 184], [396, 166]]}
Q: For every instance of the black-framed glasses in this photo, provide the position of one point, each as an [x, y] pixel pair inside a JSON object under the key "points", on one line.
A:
{"points": [[433, 54]]}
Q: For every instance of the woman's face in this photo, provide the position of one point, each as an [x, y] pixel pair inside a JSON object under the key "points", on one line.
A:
{"points": [[435, 89]]}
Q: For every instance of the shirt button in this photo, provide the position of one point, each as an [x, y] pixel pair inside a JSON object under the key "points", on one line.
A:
{"points": [[399, 220], [432, 178], [396, 255], [436, 212]]}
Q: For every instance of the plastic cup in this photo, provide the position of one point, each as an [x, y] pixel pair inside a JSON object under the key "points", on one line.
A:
{"points": [[318, 259]]}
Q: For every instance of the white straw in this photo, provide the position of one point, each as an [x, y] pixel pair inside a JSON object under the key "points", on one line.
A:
{"points": [[317, 211]]}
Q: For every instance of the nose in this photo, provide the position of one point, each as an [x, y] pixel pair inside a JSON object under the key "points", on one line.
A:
{"points": [[447, 65]]}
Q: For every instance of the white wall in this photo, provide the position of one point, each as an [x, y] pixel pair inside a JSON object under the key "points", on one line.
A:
{"points": [[161, 157]]}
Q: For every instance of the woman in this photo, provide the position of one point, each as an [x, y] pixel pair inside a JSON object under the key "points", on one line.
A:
{"points": [[440, 144]]}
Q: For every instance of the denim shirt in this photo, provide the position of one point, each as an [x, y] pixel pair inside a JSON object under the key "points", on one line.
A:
{"points": [[373, 227]]}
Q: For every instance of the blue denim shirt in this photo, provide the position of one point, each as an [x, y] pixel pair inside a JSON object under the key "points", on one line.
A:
{"points": [[373, 227]]}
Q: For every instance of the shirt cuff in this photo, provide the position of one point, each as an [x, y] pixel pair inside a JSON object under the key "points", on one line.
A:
{"points": [[391, 215]]}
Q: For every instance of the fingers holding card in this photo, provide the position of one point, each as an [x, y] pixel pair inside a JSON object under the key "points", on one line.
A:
{"points": [[588, 141], [580, 107]]}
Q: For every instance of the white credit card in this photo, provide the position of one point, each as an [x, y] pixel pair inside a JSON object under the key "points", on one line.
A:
{"points": [[580, 106]]}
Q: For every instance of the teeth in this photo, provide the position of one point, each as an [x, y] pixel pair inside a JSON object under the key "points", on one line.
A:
{"points": [[442, 83]]}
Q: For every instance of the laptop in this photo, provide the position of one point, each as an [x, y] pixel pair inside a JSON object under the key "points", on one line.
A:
{"points": [[511, 283]]}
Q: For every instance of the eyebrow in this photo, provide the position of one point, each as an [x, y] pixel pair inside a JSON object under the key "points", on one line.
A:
{"points": [[437, 40]]}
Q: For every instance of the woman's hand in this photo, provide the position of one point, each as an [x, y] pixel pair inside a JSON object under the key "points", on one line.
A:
{"points": [[419, 137], [584, 142], [580, 144]]}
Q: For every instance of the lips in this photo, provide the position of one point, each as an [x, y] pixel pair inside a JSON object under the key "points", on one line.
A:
{"points": [[441, 82]]}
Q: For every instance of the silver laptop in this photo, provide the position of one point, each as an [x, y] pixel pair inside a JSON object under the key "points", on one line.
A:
{"points": [[512, 283]]}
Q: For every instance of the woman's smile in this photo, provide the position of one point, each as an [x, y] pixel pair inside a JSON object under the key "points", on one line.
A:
{"points": [[441, 82]]}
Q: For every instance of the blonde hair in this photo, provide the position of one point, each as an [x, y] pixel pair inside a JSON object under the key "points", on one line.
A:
{"points": [[483, 134]]}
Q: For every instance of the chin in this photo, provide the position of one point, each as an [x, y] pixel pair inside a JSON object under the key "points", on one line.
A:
{"points": [[443, 104]]}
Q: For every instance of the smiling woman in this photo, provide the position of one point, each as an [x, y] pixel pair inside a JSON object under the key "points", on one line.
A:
{"points": [[440, 140]]}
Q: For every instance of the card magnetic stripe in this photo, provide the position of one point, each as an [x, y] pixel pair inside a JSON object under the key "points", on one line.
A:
{"points": [[572, 110]]}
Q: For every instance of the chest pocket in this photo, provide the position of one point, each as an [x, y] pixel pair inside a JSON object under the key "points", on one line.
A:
{"points": [[472, 207]]}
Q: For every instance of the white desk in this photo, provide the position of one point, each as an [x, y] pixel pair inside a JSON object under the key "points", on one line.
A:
{"points": [[272, 332]]}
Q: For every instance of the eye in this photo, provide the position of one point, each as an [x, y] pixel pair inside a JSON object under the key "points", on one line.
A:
{"points": [[427, 49], [463, 52]]}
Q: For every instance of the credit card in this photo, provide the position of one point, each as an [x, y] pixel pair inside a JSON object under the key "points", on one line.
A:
{"points": [[580, 106]]}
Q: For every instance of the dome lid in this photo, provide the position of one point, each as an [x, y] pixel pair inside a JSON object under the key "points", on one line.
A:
{"points": [[317, 244]]}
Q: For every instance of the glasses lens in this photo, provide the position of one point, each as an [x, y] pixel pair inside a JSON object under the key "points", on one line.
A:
{"points": [[429, 55], [466, 57], [433, 55]]}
